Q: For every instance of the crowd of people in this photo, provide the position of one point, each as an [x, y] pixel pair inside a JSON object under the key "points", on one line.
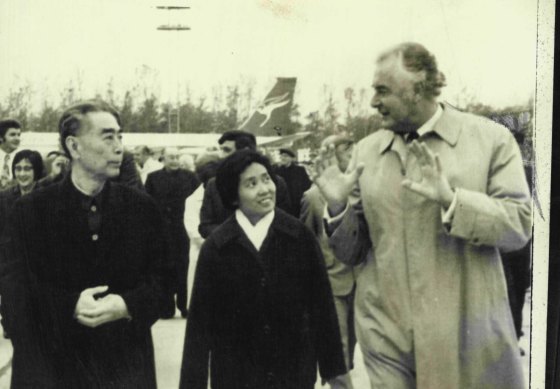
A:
{"points": [[393, 244]]}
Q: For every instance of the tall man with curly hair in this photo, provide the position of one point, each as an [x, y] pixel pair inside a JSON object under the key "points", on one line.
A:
{"points": [[441, 193]]}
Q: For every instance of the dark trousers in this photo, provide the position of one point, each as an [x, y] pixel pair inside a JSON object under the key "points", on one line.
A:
{"points": [[517, 269], [178, 246]]}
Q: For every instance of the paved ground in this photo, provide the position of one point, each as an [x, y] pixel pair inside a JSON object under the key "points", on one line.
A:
{"points": [[168, 339]]}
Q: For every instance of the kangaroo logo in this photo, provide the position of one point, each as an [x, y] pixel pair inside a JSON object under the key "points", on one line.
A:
{"points": [[270, 104]]}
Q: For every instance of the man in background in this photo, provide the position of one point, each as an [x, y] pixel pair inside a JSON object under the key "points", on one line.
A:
{"points": [[10, 134], [296, 178], [170, 187], [145, 162], [342, 277]]}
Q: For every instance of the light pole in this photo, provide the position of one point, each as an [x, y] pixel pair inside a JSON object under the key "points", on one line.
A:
{"points": [[178, 28]]}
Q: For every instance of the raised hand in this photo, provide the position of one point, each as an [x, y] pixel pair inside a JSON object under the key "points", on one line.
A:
{"points": [[334, 184], [434, 184]]}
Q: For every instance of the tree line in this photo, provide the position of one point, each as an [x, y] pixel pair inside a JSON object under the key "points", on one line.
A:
{"points": [[228, 106]]}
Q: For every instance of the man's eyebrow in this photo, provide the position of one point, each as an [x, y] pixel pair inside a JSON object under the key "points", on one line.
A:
{"points": [[111, 131]]}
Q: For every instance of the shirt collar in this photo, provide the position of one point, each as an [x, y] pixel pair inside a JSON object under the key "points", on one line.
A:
{"points": [[256, 233], [429, 125]]}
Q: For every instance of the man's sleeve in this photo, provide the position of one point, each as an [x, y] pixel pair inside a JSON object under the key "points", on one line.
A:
{"points": [[308, 215], [191, 216], [350, 239], [196, 349], [149, 185], [306, 182], [27, 297], [282, 195], [146, 300], [348, 232], [323, 317], [501, 217], [208, 212], [193, 183], [129, 175]]}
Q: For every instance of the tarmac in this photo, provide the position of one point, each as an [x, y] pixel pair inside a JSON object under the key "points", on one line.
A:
{"points": [[168, 344]]}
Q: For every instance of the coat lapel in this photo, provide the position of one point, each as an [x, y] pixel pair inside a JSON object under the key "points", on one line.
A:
{"points": [[448, 127]]}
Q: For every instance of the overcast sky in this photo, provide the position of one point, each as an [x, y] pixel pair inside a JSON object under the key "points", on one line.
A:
{"points": [[486, 46]]}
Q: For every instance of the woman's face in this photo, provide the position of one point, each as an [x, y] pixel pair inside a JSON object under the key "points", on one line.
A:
{"points": [[24, 173], [257, 192]]}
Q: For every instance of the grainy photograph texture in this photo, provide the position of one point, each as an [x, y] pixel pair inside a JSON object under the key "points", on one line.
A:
{"points": [[275, 194]]}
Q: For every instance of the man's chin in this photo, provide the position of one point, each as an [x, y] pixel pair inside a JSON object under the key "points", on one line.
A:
{"points": [[387, 123]]}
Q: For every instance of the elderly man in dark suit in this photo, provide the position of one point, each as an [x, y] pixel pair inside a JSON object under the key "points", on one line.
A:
{"points": [[170, 187], [86, 266]]}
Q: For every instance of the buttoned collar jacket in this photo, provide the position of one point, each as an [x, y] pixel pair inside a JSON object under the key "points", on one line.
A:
{"points": [[51, 250], [264, 318]]}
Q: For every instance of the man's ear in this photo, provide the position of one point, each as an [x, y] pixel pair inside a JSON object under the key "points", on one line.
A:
{"points": [[73, 147]]}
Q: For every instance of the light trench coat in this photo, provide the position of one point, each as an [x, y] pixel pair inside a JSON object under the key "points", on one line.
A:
{"points": [[433, 297]]}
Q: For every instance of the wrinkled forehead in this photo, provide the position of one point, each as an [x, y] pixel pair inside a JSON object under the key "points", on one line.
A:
{"points": [[99, 122]]}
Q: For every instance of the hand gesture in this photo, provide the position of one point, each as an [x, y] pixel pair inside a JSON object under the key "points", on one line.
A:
{"points": [[97, 312], [87, 298], [334, 184], [434, 184]]}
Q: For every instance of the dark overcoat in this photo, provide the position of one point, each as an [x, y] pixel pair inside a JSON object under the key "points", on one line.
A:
{"points": [[297, 182], [265, 319], [50, 254]]}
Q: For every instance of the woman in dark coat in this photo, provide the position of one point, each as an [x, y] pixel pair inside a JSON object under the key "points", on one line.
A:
{"points": [[262, 310], [27, 169]]}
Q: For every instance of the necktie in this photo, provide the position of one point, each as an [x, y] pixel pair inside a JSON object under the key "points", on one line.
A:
{"points": [[411, 136]]}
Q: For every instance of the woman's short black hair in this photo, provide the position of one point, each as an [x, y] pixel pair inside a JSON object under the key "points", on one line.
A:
{"points": [[229, 172], [34, 158]]}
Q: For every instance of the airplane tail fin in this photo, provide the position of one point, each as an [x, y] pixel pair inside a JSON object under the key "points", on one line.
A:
{"points": [[272, 116]]}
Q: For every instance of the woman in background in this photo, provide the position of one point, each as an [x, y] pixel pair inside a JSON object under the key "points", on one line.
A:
{"points": [[27, 169], [262, 310]]}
